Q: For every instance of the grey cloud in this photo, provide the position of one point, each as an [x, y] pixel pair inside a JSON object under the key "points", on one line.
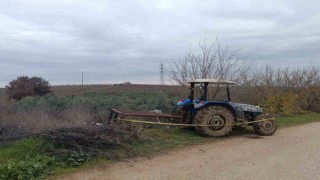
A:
{"points": [[116, 41]]}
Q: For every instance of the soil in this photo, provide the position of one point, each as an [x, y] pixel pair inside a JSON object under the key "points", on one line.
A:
{"points": [[291, 153]]}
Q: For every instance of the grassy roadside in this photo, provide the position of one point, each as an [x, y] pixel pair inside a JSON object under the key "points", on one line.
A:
{"points": [[160, 140], [164, 139], [293, 120]]}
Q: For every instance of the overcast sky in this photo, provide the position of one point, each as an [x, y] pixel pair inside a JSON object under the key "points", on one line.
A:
{"points": [[117, 41]]}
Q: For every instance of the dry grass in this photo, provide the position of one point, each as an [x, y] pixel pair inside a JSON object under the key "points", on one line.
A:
{"points": [[16, 124]]}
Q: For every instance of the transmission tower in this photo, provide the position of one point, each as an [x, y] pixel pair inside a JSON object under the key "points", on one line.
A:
{"points": [[161, 74]]}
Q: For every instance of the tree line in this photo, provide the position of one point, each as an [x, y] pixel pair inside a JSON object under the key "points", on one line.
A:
{"points": [[278, 89]]}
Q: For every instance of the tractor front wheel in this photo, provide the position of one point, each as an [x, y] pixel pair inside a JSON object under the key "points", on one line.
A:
{"points": [[214, 121], [265, 128]]}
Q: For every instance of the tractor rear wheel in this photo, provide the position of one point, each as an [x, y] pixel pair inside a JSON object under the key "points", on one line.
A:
{"points": [[219, 117], [265, 128]]}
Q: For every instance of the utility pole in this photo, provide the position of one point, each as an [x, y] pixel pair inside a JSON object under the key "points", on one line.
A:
{"points": [[161, 74], [82, 79]]}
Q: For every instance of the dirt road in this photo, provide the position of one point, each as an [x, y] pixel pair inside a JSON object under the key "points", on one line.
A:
{"points": [[292, 153]]}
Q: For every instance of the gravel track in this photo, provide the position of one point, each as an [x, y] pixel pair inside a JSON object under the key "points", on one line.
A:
{"points": [[291, 153]]}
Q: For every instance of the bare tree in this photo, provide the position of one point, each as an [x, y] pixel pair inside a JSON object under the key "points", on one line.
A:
{"points": [[210, 60], [288, 78]]}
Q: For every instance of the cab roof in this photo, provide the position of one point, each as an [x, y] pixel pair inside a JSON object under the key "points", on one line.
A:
{"points": [[212, 81]]}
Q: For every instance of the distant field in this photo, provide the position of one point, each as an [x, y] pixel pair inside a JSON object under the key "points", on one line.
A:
{"points": [[78, 89]]}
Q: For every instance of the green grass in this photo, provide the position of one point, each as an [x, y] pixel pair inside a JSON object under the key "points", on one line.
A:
{"points": [[22, 150], [292, 120], [25, 160]]}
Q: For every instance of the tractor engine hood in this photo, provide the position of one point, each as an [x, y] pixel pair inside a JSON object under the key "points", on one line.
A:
{"points": [[246, 107]]}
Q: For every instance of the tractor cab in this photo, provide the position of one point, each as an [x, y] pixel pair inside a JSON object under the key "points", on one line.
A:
{"points": [[202, 86]]}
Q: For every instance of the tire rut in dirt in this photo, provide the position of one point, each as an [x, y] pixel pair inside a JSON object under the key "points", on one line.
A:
{"points": [[216, 114]]}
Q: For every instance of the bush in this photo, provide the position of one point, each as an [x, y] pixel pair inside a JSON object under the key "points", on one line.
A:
{"points": [[282, 103], [24, 86], [309, 99]]}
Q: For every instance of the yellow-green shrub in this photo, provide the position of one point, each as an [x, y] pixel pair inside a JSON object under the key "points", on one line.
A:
{"points": [[282, 103]]}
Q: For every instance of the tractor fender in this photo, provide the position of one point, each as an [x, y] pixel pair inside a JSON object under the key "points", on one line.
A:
{"points": [[224, 104]]}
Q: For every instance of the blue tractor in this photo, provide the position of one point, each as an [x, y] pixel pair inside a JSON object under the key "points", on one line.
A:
{"points": [[212, 118], [216, 118]]}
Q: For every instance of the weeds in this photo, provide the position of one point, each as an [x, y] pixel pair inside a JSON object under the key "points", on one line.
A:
{"points": [[75, 159], [31, 168], [25, 159]]}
